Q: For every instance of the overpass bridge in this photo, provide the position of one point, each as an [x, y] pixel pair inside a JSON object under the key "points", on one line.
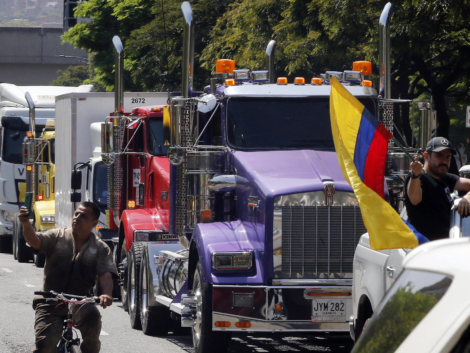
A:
{"points": [[29, 55]]}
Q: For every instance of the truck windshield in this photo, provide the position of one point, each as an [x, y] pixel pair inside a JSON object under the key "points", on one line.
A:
{"points": [[410, 299], [13, 136], [282, 123], [100, 187], [155, 145]]}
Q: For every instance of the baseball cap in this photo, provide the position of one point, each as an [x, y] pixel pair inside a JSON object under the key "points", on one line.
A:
{"points": [[438, 144]]}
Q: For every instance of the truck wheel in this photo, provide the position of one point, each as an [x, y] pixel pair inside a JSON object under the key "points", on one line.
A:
{"points": [[124, 262], [23, 252], [133, 285], [5, 244], [155, 320], [39, 260], [204, 339], [13, 240]]}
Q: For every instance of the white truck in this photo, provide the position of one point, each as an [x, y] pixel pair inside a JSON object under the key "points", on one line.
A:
{"points": [[375, 271], [14, 115], [78, 140]]}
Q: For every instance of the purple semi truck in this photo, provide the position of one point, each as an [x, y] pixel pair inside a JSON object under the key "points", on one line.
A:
{"points": [[262, 226]]}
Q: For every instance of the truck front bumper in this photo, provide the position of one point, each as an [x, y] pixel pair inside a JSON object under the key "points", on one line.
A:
{"points": [[279, 308]]}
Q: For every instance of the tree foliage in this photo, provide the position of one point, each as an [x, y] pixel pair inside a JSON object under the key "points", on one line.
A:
{"points": [[72, 76], [430, 42]]}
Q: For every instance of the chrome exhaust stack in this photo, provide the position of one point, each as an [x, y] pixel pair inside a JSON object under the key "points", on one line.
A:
{"points": [[270, 49], [188, 50], [384, 51], [119, 77]]}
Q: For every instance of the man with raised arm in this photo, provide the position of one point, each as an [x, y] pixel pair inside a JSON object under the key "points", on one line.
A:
{"points": [[429, 206], [75, 259]]}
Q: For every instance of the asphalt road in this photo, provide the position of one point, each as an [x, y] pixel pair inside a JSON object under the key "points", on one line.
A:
{"points": [[19, 281]]}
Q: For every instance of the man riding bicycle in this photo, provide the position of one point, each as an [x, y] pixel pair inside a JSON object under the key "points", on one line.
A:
{"points": [[75, 258]]}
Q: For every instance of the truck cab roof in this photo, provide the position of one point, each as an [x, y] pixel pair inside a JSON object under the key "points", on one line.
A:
{"points": [[291, 90], [151, 111]]}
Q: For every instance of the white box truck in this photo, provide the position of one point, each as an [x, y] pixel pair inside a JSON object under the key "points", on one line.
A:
{"points": [[14, 117]]}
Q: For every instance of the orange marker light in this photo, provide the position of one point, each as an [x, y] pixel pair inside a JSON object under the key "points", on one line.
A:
{"points": [[299, 81], [243, 324], [282, 80], [224, 66], [156, 109], [278, 307], [365, 67], [29, 168], [40, 197], [222, 324], [316, 81], [130, 204], [99, 227], [29, 134], [367, 83], [206, 215], [230, 82]]}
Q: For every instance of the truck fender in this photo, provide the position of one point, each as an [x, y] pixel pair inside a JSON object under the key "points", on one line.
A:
{"points": [[138, 219], [151, 252], [209, 238]]}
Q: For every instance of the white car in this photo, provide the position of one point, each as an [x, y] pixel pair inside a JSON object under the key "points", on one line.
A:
{"points": [[375, 271], [427, 309]]}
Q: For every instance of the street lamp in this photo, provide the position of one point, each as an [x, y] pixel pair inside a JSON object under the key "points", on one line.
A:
{"points": [[79, 58]]}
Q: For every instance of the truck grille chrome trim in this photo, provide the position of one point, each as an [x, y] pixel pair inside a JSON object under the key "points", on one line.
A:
{"points": [[315, 241]]}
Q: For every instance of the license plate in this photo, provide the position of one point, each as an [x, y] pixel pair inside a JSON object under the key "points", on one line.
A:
{"points": [[328, 310]]}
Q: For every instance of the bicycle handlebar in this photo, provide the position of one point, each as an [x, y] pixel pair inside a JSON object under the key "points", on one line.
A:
{"points": [[62, 296]]}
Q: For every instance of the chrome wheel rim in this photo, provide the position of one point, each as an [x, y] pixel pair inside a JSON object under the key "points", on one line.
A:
{"points": [[144, 297], [197, 328]]}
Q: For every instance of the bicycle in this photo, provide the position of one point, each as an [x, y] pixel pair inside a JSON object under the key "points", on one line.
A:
{"points": [[67, 343]]}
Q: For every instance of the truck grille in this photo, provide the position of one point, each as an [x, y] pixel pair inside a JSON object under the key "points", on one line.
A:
{"points": [[316, 241]]}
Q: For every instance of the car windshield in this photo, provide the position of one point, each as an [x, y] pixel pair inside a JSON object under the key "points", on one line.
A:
{"points": [[100, 187], [282, 123], [13, 136], [156, 145], [410, 299]]}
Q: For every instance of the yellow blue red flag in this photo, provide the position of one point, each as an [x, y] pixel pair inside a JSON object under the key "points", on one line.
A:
{"points": [[361, 145]]}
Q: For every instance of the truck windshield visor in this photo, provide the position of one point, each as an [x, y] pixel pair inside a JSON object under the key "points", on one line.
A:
{"points": [[13, 137], [156, 143], [410, 299], [282, 123]]}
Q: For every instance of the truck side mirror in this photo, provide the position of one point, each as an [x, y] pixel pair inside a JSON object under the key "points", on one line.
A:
{"points": [[106, 137], [76, 197], [76, 182]]}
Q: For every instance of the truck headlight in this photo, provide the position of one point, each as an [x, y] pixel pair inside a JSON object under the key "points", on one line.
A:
{"points": [[8, 216], [242, 260], [48, 219], [141, 236]]}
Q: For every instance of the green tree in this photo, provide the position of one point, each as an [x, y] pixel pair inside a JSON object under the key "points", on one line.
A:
{"points": [[72, 76]]}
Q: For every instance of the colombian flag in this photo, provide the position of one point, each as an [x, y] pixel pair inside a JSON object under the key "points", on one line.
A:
{"points": [[361, 145]]}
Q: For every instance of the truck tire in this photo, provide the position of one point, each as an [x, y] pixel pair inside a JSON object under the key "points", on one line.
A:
{"points": [[124, 262], [39, 260], [365, 312], [204, 339], [133, 284], [23, 252], [5, 244], [156, 320]]}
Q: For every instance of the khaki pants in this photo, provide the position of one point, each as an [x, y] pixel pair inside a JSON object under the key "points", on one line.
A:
{"points": [[48, 328]]}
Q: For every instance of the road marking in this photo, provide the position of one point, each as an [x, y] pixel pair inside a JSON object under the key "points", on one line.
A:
{"points": [[102, 333], [29, 285], [7, 270]]}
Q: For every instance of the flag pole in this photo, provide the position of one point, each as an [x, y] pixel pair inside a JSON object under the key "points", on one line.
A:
{"points": [[433, 182]]}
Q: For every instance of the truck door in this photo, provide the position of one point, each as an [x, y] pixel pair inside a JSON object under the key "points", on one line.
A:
{"points": [[393, 266]]}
